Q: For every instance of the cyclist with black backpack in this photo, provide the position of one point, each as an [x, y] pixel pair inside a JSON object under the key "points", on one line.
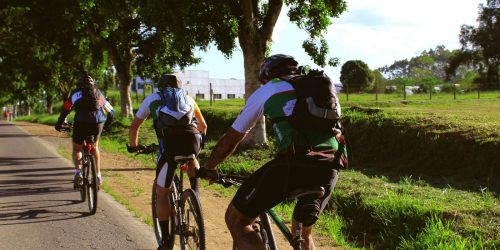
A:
{"points": [[304, 111], [179, 126], [90, 106]]}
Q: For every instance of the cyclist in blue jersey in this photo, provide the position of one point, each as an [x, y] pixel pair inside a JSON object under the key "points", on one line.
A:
{"points": [[90, 106]]}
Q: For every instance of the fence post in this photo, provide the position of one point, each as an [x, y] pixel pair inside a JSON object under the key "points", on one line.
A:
{"points": [[211, 93]]}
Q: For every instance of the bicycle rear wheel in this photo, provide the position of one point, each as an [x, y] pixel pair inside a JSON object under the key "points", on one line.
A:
{"points": [[156, 221], [91, 183], [192, 235]]}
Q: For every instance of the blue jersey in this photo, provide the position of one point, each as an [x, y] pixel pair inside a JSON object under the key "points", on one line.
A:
{"points": [[81, 114]]}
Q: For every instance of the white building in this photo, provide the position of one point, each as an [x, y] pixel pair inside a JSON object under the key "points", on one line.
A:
{"points": [[197, 83]]}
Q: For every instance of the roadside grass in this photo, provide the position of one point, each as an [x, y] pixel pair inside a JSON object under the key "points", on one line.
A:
{"points": [[373, 212]]}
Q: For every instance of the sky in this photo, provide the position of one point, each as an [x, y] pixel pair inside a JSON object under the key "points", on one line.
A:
{"points": [[377, 32]]}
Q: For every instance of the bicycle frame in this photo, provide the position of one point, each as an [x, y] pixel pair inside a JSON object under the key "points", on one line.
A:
{"points": [[295, 240]]}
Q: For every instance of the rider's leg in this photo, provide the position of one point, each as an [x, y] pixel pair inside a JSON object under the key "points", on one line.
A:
{"points": [[240, 226], [77, 156], [307, 243], [163, 207], [195, 182], [97, 156]]}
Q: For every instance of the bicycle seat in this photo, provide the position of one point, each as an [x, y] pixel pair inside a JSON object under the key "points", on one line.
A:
{"points": [[178, 158], [314, 192]]}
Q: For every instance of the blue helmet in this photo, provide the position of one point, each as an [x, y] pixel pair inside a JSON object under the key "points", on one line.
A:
{"points": [[277, 65]]}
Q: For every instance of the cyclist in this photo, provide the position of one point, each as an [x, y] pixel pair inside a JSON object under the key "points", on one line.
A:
{"points": [[89, 105], [185, 141], [292, 166]]}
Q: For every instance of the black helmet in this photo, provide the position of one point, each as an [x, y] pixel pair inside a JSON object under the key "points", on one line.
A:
{"points": [[277, 65], [169, 80], [85, 80]]}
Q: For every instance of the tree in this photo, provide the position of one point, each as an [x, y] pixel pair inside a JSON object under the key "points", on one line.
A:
{"points": [[254, 22], [481, 45], [42, 54], [356, 75]]}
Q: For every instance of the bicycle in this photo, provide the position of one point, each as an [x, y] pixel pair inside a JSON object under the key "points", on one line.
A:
{"points": [[88, 185], [186, 218], [263, 223]]}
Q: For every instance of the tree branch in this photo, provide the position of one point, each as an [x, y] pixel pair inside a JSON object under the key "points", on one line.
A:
{"points": [[270, 19]]}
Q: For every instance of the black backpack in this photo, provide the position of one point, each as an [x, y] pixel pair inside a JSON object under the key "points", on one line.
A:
{"points": [[317, 102], [90, 98]]}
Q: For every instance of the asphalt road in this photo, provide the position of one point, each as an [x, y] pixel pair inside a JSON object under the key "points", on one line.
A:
{"points": [[40, 210]]}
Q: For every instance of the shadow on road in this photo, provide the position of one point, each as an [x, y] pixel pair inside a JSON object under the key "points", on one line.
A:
{"points": [[10, 161]]}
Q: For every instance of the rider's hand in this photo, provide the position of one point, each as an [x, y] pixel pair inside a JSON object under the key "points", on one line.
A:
{"points": [[58, 127], [131, 149], [208, 174]]}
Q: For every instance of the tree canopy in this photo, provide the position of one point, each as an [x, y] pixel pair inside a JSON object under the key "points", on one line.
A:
{"points": [[481, 46], [356, 75]]}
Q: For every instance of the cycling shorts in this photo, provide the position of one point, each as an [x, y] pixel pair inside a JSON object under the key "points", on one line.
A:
{"points": [[179, 144], [270, 184], [82, 129]]}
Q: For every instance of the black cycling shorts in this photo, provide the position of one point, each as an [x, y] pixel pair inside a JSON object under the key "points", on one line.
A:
{"points": [[270, 184], [181, 143], [81, 130]]}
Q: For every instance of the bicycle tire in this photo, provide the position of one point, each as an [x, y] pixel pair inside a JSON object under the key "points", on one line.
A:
{"points": [[263, 225], [91, 184], [83, 191], [156, 222], [266, 232], [192, 235]]}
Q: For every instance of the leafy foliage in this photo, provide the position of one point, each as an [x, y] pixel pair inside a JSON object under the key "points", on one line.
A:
{"points": [[356, 75], [481, 46]]}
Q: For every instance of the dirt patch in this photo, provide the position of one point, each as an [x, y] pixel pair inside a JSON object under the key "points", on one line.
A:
{"points": [[131, 181]]}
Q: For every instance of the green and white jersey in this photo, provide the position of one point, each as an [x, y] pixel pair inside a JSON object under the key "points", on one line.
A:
{"points": [[277, 99]]}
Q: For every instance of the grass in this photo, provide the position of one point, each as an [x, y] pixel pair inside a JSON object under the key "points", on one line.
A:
{"points": [[382, 208]]}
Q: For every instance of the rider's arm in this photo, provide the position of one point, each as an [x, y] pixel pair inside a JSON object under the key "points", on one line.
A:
{"points": [[141, 115], [65, 111], [252, 111], [202, 125], [109, 109], [133, 132], [225, 147]]}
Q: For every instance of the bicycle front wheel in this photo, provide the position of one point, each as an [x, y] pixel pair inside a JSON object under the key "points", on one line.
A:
{"points": [[265, 231], [82, 189], [192, 235], [91, 184]]}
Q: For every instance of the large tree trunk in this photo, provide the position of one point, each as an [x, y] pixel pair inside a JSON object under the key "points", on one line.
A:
{"points": [[252, 61], [124, 72], [125, 101], [253, 41], [50, 103]]}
